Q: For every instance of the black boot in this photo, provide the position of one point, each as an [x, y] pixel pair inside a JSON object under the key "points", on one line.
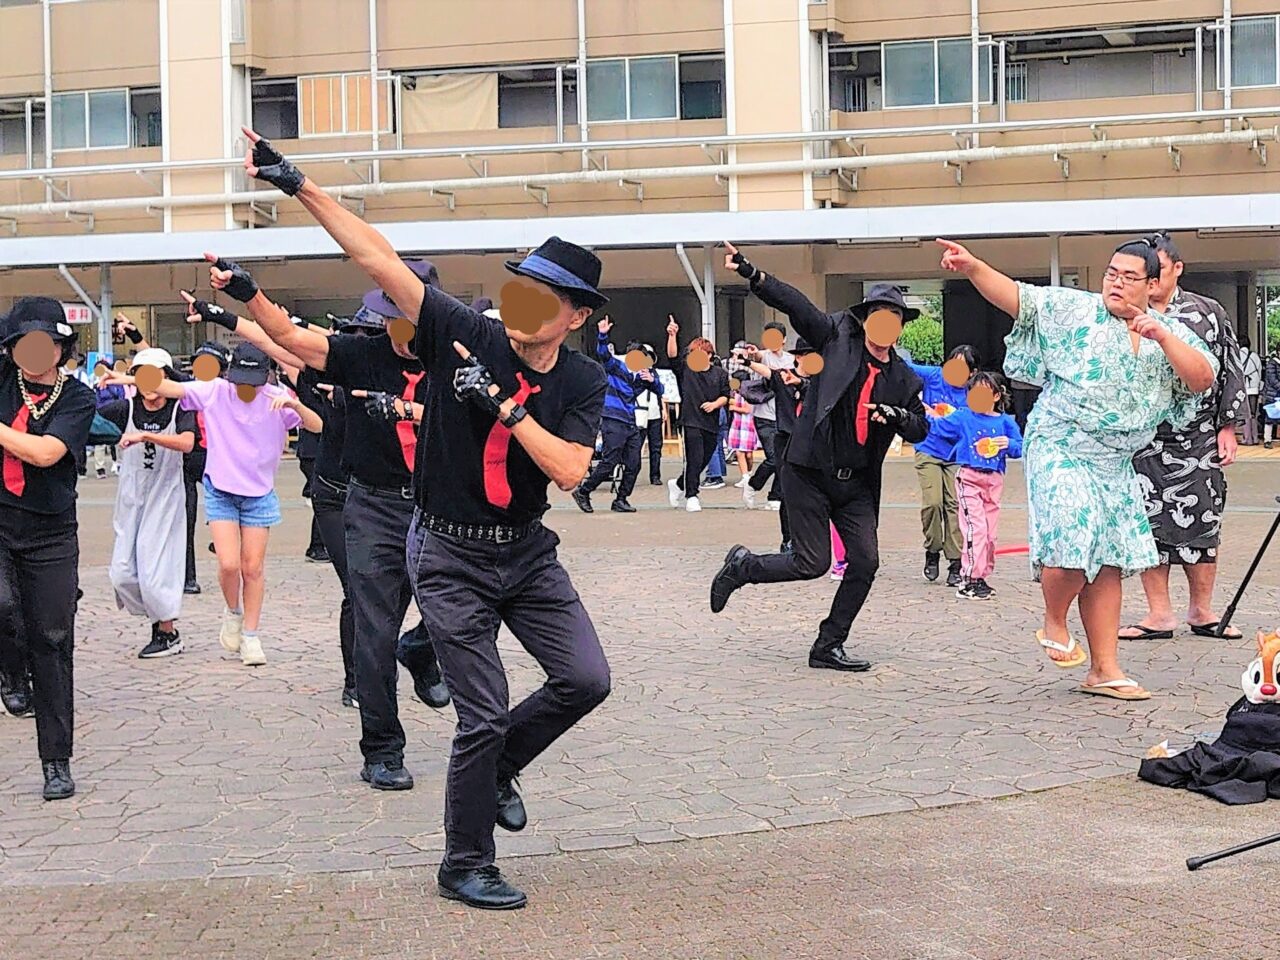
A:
{"points": [[953, 574], [484, 888], [15, 694], [511, 812], [620, 505], [58, 784], [931, 565], [834, 658], [729, 578]]}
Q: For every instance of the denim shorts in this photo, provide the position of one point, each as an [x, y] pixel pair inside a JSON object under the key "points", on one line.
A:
{"points": [[263, 511]]}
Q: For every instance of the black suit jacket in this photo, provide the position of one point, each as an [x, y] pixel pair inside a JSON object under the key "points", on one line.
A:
{"points": [[839, 338]]}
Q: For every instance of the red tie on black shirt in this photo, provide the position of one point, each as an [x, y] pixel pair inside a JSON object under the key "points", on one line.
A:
{"points": [[497, 490], [405, 429], [860, 418], [15, 481]]}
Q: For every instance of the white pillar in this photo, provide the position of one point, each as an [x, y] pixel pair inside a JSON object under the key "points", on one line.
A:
{"points": [[1055, 259]]}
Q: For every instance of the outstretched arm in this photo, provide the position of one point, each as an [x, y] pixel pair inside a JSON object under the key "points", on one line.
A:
{"points": [[998, 290], [810, 322], [290, 344], [673, 328]]}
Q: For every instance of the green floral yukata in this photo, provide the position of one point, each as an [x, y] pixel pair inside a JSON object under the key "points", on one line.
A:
{"points": [[1101, 404]]}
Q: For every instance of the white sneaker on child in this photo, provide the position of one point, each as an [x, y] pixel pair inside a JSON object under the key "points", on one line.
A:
{"points": [[251, 654], [230, 634]]}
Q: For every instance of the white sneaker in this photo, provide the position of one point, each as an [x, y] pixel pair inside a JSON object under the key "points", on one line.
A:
{"points": [[230, 635], [251, 654], [692, 505], [743, 482], [775, 505], [749, 497], [674, 494]]}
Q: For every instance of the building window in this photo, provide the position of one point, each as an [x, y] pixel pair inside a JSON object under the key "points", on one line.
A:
{"points": [[91, 119], [634, 88], [1254, 53], [701, 88], [275, 108], [144, 113], [13, 128], [336, 104], [927, 73], [527, 97]]}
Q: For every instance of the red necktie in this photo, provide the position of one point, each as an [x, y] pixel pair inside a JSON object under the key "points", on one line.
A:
{"points": [[406, 429], [15, 480], [496, 488], [860, 420]]}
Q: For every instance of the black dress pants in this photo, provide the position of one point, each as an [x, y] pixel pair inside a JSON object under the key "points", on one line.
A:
{"points": [[193, 507], [467, 589], [653, 436], [39, 577], [308, 467], [814, 500], [767, 432], [621, 446], [699, 445], [328, 501]]}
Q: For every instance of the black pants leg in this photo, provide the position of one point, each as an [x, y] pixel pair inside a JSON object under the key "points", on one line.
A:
{"points": [[13, 646], [39, 563], [809, 511], [654, 437], [379, 587], [630, 463], [466, 589], [328, 505], [193, 506], [308, 467], [767, 431], [614, 434], [699, 445], [856, 520]]}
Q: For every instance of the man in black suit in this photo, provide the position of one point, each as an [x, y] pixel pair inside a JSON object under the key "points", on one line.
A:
{"points": [[859, 396]]}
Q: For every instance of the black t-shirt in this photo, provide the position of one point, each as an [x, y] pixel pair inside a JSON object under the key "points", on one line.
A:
{"points": [[45, 490], [470, 469], [372, 449], [697, 389], [329, 461], [131, 416]]}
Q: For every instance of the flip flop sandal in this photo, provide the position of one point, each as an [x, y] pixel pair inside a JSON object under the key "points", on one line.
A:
{"points": [[1116, 689], [1146, 633], [1211, 630], [1075, 661]]}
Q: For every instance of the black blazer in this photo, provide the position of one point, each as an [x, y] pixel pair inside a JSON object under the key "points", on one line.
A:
{"points": [[839, 338]]}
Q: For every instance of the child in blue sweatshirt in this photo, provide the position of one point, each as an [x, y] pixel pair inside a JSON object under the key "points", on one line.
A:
{"points": [[981, 443]]}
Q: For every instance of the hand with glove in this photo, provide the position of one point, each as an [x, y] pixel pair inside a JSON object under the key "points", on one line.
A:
{"points": [[735, 261], [265, 162], [386, 407], [887, 414], [229, 276], [473, 383], [203, 310]]}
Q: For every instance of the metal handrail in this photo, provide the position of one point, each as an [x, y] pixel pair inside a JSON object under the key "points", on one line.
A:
{"points": [[717, 140]]}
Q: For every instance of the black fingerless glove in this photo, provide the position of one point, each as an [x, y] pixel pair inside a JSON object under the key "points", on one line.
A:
{"points": [[382, 406], [275, 169], [894, 416], [241, 286], [134, 335], [746, 269], [216, 315], [472, 382]]}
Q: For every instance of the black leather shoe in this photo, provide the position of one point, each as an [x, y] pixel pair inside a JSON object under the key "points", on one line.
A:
{"points": [[655, 482], [511, 812], [387, 776], [836, 659], [931, 566], [729, 578], [583, 500], [318, 555], [428, 684], [953, 574], [191, 589], [483, 888], [622, 506], [16, 696], [58, 784]]}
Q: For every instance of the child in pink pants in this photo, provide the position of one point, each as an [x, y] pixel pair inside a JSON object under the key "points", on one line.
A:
{"points": [[982, 443], [837, 551]]}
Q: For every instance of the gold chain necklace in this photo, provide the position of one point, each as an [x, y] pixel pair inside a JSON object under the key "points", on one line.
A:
{"points": [[39, 411]]}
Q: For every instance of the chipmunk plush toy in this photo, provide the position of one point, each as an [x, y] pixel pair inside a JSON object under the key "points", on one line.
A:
{"points": [[1259, 679]]}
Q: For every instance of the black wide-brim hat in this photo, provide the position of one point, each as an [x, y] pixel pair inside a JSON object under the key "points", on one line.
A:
{"points": [[36, 315], [802, 347], [380, 303], [884, 295], [565, 266]]}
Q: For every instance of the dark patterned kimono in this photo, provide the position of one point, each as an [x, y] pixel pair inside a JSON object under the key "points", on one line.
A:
{"points": [[1181, 477]]}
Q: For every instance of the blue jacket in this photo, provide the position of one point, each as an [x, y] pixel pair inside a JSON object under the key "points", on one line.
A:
{"points": [[624, 386], [937, 390], [964, 428]]}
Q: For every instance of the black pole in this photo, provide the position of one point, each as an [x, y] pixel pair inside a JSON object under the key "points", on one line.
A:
{"points": [[1195, 863], [1231, 608]]}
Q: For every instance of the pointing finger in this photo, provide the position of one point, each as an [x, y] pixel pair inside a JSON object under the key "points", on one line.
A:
{"points": [[358, 394], [187, 297], [463, 352], [253, 137], [730, 247]]}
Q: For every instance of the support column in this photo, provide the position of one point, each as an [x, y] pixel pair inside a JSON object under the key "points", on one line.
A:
{"points": [[709, 292], [1055, 259], [104, 309]]}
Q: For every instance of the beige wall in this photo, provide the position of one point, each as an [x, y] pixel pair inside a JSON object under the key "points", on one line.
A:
{"points": [[108, 43], [197, 119], [22, 65]]}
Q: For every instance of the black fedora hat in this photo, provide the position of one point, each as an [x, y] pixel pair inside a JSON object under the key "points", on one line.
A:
{"points": [[886, 295], [380, 303], [802, 347], [566, 266]]}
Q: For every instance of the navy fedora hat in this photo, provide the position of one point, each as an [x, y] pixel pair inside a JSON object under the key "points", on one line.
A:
{"points": [[565, 266], [381, 304]]}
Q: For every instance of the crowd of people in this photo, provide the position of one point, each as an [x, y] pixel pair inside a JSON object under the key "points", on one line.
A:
{"points": [[437, 428]]}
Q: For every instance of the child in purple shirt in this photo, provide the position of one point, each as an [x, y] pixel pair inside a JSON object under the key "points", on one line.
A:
{"points": [[246, 423]]}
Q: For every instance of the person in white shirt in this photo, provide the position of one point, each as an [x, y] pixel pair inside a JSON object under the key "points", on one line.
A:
{"points": [[649, 416], [1252, 389]]}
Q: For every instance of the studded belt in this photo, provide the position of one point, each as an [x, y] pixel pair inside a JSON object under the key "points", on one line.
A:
{"points": [[478, 531]]}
